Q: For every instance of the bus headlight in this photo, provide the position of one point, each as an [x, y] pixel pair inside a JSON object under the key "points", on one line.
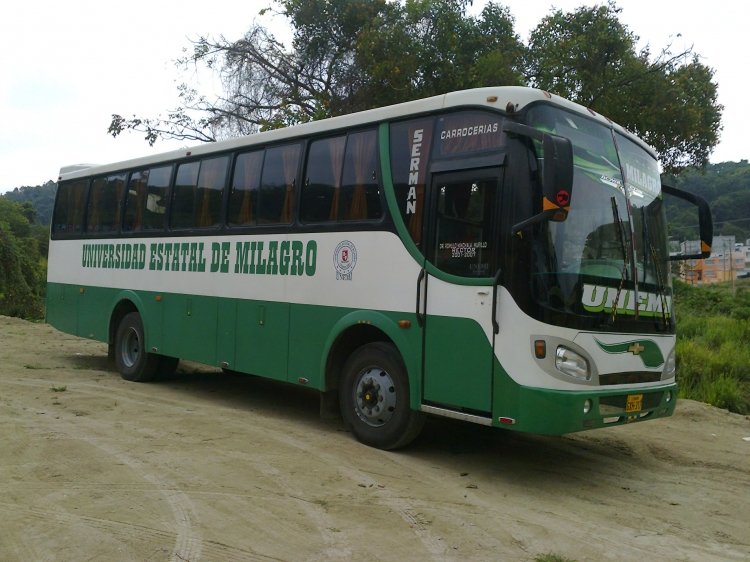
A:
{"points": [[669, 367], [572, 364]]}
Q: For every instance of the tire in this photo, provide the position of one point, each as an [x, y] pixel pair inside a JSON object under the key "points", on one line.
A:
{"points": [[131, 358], [374, 398]]}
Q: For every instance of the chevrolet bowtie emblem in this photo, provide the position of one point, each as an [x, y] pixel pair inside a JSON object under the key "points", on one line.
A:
{"points": [[646, 350], [636, 348]]}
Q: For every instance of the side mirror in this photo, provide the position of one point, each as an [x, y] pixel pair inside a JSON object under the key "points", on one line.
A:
{"points": [[557, 180], [705, 222], [557, 176]]}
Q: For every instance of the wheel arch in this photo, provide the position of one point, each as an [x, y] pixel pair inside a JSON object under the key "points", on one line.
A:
{"points": [[124, 303], [362, 327]]}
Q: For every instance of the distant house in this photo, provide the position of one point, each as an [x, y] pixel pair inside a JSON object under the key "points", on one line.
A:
{"points": [[729, 260]]}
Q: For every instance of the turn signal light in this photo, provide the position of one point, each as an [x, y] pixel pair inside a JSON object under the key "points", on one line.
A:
{"points": [[540, 349]]}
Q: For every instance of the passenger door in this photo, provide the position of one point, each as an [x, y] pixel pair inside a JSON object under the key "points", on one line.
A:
{"points": [[463, 247]]}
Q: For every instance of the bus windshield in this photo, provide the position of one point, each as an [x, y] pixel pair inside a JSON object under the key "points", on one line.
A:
{"points": [[609, 257]]}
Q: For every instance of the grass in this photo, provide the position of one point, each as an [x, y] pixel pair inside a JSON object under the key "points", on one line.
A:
{"points": [[713, 356]]}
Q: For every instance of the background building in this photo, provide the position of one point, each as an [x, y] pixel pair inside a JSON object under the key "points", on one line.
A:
{"points": [[729, 260]]}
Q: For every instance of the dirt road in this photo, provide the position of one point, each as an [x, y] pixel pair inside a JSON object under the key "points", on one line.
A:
{"points": [[215, 467]]}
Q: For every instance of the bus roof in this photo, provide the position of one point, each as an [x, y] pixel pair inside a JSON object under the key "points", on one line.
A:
{"points": [[499, 97]]}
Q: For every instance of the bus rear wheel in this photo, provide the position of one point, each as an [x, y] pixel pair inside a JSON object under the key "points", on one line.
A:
{"points": [[374, 398], [133, 361]]}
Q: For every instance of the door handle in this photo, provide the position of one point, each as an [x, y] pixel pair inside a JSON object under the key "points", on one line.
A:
{"points": [[496, 282], [420, 316]]}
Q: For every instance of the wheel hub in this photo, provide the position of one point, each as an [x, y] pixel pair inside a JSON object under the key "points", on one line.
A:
{"points": [[131, 348], [375, 397]]}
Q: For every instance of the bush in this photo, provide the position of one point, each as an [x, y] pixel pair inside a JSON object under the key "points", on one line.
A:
{"points": [[713, 358], [22, 267]]}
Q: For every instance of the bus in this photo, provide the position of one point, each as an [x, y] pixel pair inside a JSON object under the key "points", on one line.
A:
{"points": [[495, 255]]}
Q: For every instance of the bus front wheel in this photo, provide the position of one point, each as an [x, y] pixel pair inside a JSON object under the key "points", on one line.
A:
{"points": [[131, 358], [374, 398]]}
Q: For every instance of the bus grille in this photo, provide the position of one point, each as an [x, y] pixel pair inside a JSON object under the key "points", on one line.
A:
{"points": [[635, 377]]}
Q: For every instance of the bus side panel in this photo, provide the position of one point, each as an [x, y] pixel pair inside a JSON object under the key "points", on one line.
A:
{"points": [[189, 327], [458, 364], [262, 338], [226, 333], [62, 302], [93, 307], [310, 329], [79, 310]]}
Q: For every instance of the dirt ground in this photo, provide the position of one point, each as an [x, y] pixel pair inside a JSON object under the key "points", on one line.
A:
{"points": [[216, 467]]}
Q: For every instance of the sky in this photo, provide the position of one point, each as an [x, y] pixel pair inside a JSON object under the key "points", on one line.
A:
{"points": [[67, 66]]}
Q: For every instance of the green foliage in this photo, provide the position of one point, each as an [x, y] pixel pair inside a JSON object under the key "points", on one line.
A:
{"points": [[351, 55], [726, 187], [713, 358], [40, 201], [669, 100], [22, 266]]}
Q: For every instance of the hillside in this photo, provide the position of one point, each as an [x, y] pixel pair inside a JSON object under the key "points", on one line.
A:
{"points": [[42, 198], [726, 187]]}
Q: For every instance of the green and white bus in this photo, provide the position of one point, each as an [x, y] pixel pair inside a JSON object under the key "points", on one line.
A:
{"points": [[496, 255]]}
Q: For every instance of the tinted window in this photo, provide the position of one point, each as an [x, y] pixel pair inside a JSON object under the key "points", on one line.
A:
{"points": [[105, 200], [69, 207], [360, 193], [243, 198], [198, 191], [320, 193], [183, 197], [145, 204], [276, 204], [411, 142], [464, 242]]}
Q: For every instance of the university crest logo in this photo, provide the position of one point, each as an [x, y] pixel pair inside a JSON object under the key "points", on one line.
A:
{"points": [[344, 260]]}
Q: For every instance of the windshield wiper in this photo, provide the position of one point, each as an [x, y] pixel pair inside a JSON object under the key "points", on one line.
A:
{"points": [[660, 281], [619, 227]]}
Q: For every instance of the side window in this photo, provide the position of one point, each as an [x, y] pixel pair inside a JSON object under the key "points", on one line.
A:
{"points": [[183, 195], [211, 181], [70, 205], [464, 243], [135, 201], [105, 198], [145, 204], [198, 191], [277, 183], [322, 187], [243, 197], [411, 143], [360, 193]]}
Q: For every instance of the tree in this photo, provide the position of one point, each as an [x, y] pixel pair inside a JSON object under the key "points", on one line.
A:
{"points": [[41, 197], [670, 101], [22, 268], [346, 55], [445, 50], [351, 55]]}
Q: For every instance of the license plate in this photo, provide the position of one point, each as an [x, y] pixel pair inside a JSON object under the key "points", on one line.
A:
{"points": [[634, 403]]}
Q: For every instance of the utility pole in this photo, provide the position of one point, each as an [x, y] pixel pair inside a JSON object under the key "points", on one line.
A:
{"points": [[731, 271]]}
